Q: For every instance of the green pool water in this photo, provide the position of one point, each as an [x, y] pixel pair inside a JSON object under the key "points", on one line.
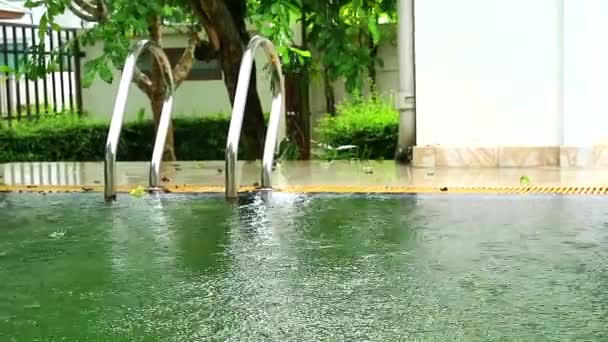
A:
{"points": [[285, 267]]}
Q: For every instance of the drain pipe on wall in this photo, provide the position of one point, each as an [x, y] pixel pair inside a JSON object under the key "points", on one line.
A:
{"points": [[406, 96]]}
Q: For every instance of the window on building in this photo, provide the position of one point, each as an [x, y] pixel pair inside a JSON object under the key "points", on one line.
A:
{"points": [[201, 71]]}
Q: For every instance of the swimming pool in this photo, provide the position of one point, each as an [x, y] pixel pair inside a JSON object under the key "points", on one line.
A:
{"points": [[286, 267]]}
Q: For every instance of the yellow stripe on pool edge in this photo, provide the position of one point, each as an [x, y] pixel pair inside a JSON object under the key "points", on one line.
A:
{"points": [[326, 189]]}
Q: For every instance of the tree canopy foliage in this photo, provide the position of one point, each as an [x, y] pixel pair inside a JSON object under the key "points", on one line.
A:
{"points": [[341, 34], [339, 40]]}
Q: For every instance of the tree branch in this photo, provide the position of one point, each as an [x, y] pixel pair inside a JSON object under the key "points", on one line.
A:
{"points": [[207, 23], [86, 6], [102, 10], [89, 12], [184, 65], [154, 28], [85, 10], [81, 14], [143, 82]]}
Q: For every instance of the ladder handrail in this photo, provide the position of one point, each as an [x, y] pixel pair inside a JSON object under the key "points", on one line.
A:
{"points": [[236, 121], [119, 111]]}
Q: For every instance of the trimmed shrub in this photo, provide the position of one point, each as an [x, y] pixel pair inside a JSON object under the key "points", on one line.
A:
{"points": [[371, 124], [66, 138]]}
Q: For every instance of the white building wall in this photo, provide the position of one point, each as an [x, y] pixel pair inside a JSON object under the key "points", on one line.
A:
{"points": [[586, 72], [488, 72]]}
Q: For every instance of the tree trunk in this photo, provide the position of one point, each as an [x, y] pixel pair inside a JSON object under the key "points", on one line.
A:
{"points": [[156, 94], [330, 98], [298, 124], [303, 119], [371, 68], [228, 36]]}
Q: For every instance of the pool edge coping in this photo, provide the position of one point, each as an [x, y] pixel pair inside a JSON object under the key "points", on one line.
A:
{"points": [[190, 188]]}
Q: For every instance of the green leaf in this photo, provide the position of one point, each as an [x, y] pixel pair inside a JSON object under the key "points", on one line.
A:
{"points": [[43, 26], [372, 25], [33, 3], [303, 53], [524, 180], [167, 10], [139, 191], [90, 70], [105, 73]]}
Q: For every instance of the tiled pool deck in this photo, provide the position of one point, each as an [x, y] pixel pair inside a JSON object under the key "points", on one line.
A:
{"points": [[313, 176]]}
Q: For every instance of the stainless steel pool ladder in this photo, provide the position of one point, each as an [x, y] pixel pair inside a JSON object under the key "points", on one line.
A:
{"points": [[236, 122], [119, 110]]}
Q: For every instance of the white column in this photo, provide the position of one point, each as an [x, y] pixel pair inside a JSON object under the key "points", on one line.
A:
{"points": [[406, 95], [585, 71]]}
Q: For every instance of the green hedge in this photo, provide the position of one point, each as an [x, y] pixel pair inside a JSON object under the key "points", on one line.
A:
{"points": [[371, 124], [70, 139]]}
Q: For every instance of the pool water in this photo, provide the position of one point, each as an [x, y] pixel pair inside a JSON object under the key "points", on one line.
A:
{"points": [[287, 267]]}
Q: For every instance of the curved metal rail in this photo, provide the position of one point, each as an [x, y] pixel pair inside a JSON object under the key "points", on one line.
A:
{"points": [[119, 110], [236, 121]]}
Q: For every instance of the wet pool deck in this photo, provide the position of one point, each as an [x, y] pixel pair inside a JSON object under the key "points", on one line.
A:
{"points": [[296, 176]]}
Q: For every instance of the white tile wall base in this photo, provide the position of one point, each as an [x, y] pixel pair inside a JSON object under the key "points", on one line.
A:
{"points": [[534, 156]]}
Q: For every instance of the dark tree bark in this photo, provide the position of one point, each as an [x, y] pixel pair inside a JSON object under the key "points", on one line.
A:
{"points": [[157, 90], [371, 68], [303, 119], [225, 26], [298, 117], [330, 97]]}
